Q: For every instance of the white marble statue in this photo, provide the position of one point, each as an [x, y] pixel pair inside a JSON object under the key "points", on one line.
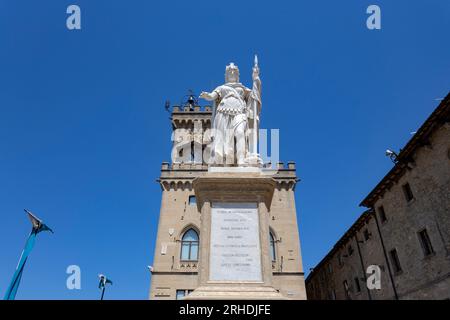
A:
{"points": [[235, 114]]}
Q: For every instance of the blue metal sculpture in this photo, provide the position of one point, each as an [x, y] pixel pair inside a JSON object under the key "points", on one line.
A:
{"points": [[37, 226]]}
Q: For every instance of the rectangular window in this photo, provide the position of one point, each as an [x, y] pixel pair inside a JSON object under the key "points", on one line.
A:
{"points": [[350, 250], [426, 243], [340, 260], [407, 192], [382, 214], [357, 285], [185, 251], [192, 200], [366, 234], [180, 294], [189, 251], [330, 268], [194, 251], [346, 290], [395, 261]]}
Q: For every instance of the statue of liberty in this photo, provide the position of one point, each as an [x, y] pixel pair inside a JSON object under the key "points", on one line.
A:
{"points": [[234, 111]]}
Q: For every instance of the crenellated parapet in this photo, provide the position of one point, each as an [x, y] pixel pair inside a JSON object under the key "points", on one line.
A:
{"points": [[190, 118], [179, 176]]}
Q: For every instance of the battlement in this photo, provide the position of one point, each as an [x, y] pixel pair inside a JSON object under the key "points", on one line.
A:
{"points": [[181, 175], [166, 166], [184, 117], [191, 109]]}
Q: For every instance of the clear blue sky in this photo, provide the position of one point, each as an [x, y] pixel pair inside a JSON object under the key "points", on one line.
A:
{"points": [[83, 129]]}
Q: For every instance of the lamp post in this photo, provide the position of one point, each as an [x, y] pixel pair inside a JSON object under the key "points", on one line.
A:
{"points": [[392, 155], [37, 226], [102, 284]]}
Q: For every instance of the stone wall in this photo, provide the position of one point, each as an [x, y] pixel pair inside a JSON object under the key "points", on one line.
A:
{"points": [[429, 181], [422, 276]]}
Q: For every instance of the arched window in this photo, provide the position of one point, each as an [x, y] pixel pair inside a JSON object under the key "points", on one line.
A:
{"points": [[189, 246], [272, 247]]}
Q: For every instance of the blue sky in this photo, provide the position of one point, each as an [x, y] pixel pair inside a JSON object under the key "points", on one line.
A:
{"points": [[83, 129]]}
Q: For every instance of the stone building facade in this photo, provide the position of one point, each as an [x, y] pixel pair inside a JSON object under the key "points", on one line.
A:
{"points": [[405, 231], [176, 257]]}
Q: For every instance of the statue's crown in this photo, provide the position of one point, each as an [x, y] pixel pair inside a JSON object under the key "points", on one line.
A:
{"points": [[230, 67]]}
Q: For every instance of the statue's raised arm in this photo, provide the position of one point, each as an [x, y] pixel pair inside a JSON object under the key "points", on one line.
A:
{"points": [[209, 96]]}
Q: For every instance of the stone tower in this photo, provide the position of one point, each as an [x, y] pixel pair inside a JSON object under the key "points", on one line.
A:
{"points": [[183, 235]]}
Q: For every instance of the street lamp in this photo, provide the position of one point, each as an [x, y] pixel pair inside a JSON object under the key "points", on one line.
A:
{"points": [[102, 284], [392, 155]]}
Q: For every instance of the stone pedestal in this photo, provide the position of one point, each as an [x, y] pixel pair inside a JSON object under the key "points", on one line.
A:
{"points": [[234, 261]]}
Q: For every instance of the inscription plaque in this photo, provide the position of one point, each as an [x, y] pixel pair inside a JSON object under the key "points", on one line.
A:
{"points": [[235, 252]]}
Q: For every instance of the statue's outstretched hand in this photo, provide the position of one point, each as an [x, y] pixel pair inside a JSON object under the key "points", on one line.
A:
{"points": [[204, 95], [207, 96]]}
